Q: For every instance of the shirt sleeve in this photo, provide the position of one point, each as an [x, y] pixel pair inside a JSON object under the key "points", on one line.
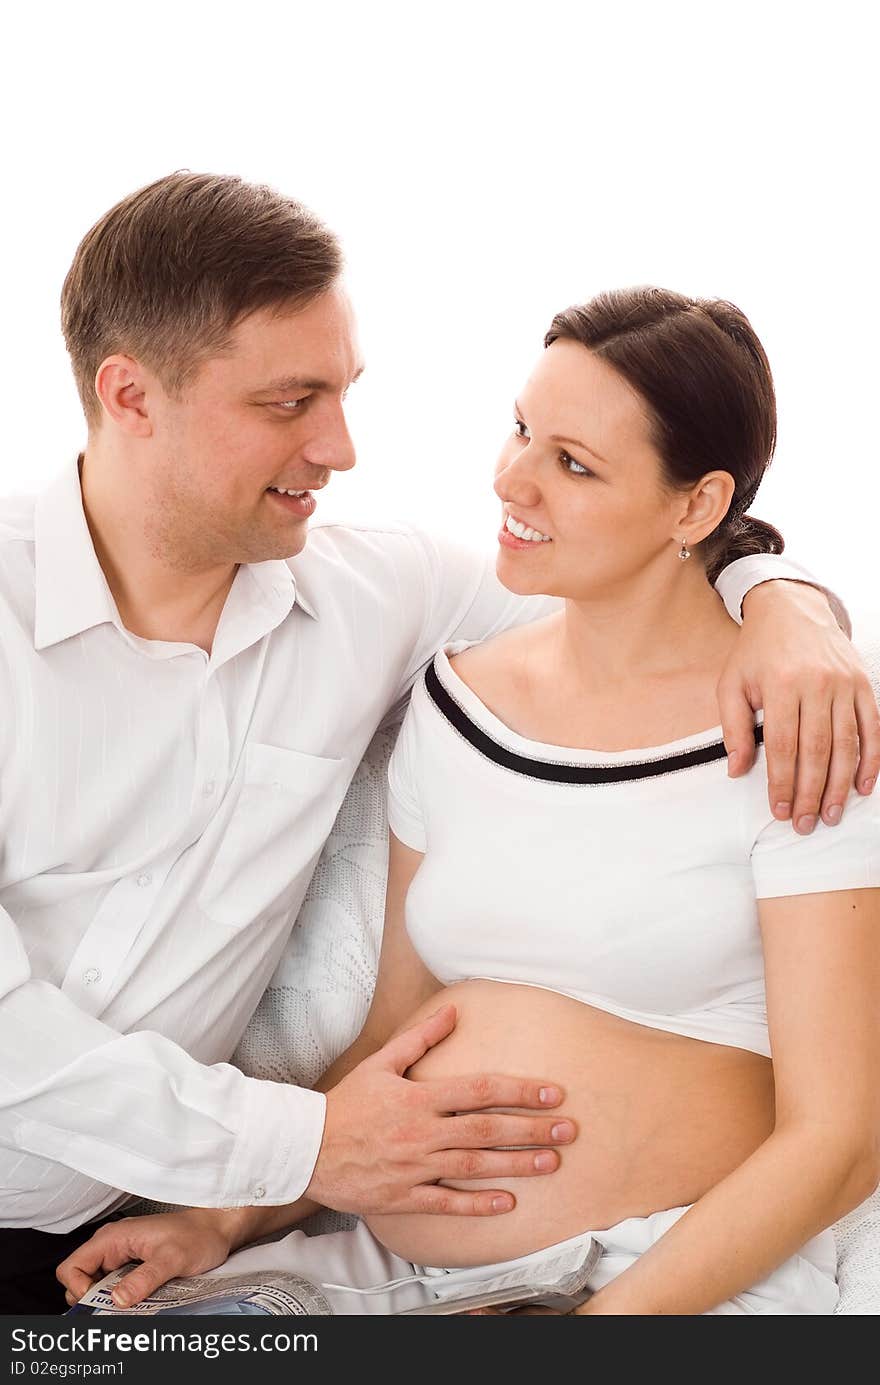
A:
{"points": [[405, 817], [736, 581], [845, 857], [134, 1112]]}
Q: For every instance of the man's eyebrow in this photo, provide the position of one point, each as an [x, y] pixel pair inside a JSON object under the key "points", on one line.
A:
{"points": [[289, 384], [569, 442]]}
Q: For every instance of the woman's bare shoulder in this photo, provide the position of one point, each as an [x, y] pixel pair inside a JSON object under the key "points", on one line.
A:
{"points": [[498, 664]]}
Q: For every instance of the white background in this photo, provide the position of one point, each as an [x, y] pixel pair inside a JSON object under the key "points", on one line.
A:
{"points": [[485, 164]]}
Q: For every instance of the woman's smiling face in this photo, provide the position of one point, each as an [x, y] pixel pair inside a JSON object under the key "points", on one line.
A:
{"points": [[581, 470]]}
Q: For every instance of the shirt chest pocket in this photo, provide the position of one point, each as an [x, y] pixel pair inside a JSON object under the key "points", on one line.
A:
{"points": [[264, 859]]}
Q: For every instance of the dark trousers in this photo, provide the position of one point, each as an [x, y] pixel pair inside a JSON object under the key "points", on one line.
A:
{"points": [[28, 1260]]}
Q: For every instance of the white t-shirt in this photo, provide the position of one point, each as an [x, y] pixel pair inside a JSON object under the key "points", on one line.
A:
{"points": [[627, 879]]}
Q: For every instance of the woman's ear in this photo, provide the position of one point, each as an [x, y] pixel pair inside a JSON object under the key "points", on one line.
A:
{"points": [[706, 505]]}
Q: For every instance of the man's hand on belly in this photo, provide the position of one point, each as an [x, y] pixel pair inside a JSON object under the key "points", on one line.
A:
{"points": [[388, 1141]]}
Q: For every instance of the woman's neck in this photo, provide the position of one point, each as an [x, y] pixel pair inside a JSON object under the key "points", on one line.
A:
{"points": [[624, 641]]}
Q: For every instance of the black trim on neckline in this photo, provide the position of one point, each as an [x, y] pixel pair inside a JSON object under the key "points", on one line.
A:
{"points": [[562, 773]]}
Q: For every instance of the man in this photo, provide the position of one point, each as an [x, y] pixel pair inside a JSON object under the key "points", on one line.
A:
{"points": [[186, 692]]}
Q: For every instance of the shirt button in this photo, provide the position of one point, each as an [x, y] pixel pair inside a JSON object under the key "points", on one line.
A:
{"points": [[259, 1191], [91, 975], [208, 787], [145, 879]]}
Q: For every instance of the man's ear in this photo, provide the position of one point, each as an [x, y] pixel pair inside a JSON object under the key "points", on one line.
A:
{"points": [[705, 506], [121, 386]]}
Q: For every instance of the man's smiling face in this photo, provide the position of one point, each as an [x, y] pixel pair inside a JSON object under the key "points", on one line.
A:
{"points": [[264, 416]]}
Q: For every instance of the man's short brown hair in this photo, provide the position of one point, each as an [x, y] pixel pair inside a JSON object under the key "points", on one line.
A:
{"points": [[169, 271]]}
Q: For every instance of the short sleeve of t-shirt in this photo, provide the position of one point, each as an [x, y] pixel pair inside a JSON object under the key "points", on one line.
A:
{"points": [[405, 816], [845, 857]]}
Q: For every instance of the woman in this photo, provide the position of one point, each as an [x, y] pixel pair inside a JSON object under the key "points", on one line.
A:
{"points": [[570, 861]]}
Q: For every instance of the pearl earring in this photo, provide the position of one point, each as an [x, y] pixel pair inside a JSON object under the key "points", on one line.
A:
{"points": [[684, 552]]}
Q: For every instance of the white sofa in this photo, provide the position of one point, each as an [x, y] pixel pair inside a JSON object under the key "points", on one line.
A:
{"points": [[318, 997]]}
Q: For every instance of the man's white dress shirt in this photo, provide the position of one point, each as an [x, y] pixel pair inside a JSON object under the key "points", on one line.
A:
{"points": [[161, 812]]}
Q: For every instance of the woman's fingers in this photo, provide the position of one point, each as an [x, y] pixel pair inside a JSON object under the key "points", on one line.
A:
{"points": [[167, 1244], [76, 1281], [106, 1250], [142, 1281]]}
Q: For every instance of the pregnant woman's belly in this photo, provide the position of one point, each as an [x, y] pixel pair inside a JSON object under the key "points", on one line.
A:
{"points": [[661, 1118]]}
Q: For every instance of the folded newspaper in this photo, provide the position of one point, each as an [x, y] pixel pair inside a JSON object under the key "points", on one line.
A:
{"points": [[275, 1292], [270, 1293]]}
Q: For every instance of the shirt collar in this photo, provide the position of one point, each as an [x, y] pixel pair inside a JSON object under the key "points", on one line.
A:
{"points": [[305, 596], [276, 575], [71, 590], [72, 594]]}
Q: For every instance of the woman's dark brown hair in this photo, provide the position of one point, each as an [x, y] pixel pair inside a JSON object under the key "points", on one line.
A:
{"points": [[168, 272], [706, 381]]}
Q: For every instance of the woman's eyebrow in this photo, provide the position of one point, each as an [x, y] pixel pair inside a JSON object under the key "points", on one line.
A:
{"points": [[575, 442], [568, 442]]}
